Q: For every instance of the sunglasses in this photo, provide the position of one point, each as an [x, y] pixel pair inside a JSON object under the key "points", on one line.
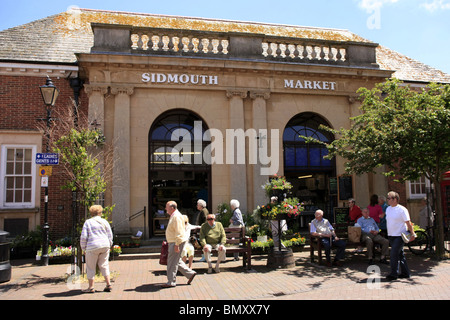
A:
{"points": [[388, 198], [210, 219]]}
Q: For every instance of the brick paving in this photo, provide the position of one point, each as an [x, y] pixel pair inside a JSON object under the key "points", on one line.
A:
{"points": [[141, 280]]}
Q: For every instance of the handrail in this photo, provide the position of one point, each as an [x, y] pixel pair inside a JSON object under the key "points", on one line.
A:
{"points": [[134, 216]]}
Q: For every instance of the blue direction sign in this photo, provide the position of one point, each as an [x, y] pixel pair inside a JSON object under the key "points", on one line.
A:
{"points": [[47, 158]]}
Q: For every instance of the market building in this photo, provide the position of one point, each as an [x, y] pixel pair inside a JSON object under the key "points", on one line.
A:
{"points": [[194, 108]]}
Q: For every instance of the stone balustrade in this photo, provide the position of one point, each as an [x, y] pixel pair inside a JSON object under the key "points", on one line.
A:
{"points": [[230, 45]]}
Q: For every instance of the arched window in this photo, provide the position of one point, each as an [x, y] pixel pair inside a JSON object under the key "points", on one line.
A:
{"points": [[301, 156], [176, 139]]}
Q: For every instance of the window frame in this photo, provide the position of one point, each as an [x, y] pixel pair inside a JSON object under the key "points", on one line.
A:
{"points": [[3, 175], [411, 186]]}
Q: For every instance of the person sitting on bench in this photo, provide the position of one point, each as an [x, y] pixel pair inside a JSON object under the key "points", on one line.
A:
{"points": [[322, 228]]}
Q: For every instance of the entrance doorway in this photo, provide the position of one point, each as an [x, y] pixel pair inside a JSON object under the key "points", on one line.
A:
{"points": [[177, 170], [306, 169]]}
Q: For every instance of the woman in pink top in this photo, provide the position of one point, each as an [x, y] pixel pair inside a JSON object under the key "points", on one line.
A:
{"points": [[375, 209]]}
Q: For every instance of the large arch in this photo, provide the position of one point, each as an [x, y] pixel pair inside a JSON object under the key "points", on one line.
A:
{"points": [[177, 170], [304, 165]]}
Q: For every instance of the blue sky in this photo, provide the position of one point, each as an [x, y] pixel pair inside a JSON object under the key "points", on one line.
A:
{"points": [[416, 28]]}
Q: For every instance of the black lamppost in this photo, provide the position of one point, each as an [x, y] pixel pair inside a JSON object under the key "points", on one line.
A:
{"points": [[49, 94]]}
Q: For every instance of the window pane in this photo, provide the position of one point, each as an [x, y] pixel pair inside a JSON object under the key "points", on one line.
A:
{"points": [[9, 183], [18, 196], [19, 183], [28, 182], [10, 168], [27, 168], [18, 168], [10, 155], [301, 157], [27, 196], [28, 155], [9, 196]]}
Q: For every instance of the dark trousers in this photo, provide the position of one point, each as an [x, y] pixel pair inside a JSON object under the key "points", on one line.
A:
{"points": [[340, 245], [398, 260]]}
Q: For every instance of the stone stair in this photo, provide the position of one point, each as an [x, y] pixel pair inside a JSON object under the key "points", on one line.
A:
{"points": [[149, 249]]}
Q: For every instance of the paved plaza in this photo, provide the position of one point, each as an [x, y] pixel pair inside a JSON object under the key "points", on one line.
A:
{"points": [[141, 280]]}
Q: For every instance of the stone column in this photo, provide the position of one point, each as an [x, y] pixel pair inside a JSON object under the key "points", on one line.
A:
{"points": [[238, 172], [121, 170], [96, 111], [259, 120]]}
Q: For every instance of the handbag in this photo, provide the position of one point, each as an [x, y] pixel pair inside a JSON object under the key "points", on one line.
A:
{"points": [[164, 253], [354, 234]]}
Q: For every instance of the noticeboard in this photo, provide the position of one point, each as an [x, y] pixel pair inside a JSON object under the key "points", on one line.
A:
{"points": [[345, 186], [341, 214], [333, 186]]}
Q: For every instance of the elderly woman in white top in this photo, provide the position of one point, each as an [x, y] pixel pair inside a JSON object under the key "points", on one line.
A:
{"points": [[236, 220], [96, 241]]}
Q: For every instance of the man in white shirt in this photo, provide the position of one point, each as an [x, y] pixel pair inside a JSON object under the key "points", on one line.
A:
{"points": [[322, 228], [398, 222]]}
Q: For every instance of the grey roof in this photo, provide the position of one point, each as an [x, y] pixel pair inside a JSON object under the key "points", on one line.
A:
{"points": [[57, 38]]}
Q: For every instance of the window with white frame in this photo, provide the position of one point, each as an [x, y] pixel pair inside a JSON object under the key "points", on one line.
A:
{"points": [[18, 172], [418, 188]]}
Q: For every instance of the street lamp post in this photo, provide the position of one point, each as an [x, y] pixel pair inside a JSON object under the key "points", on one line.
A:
{"points": [[49, 94]]}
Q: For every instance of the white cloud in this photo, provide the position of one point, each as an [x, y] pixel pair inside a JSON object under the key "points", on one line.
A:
{"points": [[371, 5], [436, 5]]}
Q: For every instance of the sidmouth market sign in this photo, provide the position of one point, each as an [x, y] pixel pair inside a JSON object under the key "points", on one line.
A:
{"points": [[170, 78], [213, 80]]}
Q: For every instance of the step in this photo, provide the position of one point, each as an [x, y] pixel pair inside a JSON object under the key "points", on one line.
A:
{"points": [[137, 256]]}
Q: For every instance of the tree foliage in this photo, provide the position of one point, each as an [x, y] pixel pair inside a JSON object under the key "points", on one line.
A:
{"points": [[404, 131], [86, 177]]}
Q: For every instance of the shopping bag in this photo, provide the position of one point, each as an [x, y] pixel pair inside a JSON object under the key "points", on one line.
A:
{"points": [[164, 253], [354, 234]]}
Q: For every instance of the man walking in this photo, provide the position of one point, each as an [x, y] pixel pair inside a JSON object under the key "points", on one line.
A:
{"points": [[398, 222], [174, 236]]}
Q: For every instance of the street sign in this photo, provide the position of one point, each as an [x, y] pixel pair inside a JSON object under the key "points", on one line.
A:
{"points": [[47, 158], [45, 171], [44, 182]]}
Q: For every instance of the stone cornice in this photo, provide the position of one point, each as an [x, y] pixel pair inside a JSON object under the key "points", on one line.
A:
{"points": [[37, 70]]}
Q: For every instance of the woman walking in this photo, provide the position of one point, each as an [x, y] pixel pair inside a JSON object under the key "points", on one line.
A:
{"points": [[96, 241]]}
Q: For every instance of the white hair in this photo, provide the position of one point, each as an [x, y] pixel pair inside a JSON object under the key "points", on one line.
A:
{"points": [[201, 202], [234, 203]]}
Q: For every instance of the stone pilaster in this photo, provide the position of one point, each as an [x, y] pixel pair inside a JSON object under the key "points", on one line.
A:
{"points": [[238, 172], [121, 193], [259, 122]]}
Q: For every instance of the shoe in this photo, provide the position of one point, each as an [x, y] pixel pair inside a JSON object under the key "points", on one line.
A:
{"points": [[370, 261], [107, 288], [384, 261], [391, 278], [191, 278], [165, 285], [337, 264], [217, 269], [404, 276], [89, 290], [209, 270]]}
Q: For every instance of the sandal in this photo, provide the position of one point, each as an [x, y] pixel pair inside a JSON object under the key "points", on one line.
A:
{"points": [[89, 290], [108, 288]]}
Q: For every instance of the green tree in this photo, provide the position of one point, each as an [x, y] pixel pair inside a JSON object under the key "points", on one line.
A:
{"points": [[405, 131]]}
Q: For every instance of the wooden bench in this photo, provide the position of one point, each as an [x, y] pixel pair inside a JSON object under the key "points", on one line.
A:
{"points": [[341, 231], [235, 237]]}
